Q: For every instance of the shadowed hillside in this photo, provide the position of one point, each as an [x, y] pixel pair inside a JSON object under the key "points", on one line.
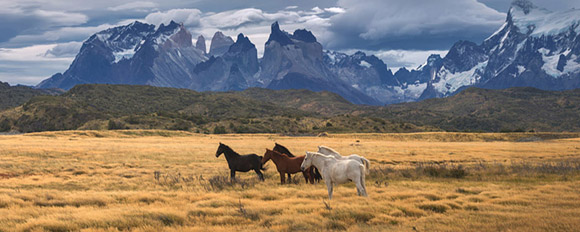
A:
{"points": [[515, 109], [258, 110], [98, 106], [12, 96]]}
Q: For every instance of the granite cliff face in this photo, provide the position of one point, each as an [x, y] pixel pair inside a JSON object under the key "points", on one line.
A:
{"points": [[133, 54]]}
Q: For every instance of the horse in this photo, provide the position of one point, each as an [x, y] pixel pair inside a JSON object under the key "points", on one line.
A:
{"points": [[329, 151], [240, 163], [337, 171], [287, 165], [283, 150]]}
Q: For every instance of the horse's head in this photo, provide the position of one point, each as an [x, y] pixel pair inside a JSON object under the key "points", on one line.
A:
{"points": [[277, 147], [267, 156], [307, 161], [221, 149]]}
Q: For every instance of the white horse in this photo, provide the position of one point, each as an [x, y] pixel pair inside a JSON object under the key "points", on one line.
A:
{"points": [[337, 171], [329, 151]]}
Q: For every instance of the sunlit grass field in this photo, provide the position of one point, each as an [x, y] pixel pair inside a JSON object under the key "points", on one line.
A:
{"points": [[172, 181]]}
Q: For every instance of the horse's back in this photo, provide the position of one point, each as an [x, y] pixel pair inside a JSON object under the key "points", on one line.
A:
{"points": [[343, 170]]}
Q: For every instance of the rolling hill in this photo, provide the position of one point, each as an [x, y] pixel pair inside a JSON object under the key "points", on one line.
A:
{"points": [[475, 109], [257, 110], [101, 106]]}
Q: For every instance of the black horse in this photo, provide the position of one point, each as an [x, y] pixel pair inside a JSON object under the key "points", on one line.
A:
{"points": [[241, 163], [284, 150]]}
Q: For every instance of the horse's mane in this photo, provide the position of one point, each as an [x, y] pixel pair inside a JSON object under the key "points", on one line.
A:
{"points": [[229, 150], [328, 148], [279, 153], [320, 154], [285, 150]]}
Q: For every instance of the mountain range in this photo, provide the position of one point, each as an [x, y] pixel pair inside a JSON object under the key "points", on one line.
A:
{"points": [[534, 47]]}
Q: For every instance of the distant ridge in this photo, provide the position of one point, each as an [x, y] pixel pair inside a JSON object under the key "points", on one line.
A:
{"points": [[258, 110]]}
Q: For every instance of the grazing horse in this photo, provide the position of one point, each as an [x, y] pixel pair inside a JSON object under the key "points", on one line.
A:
{"points": [[240, 163], [329, 151], [284, 150], [337, 171], [287, 165]]}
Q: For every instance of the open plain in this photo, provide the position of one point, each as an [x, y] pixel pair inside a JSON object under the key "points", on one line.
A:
{"points": [[153, 180]]}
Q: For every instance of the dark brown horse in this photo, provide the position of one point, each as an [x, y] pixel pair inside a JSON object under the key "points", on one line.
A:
{"points": [[283, 150], [240, 163], [287, 165]]}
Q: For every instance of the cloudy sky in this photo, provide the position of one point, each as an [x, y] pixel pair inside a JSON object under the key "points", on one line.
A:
{"points": [[41, 37]]}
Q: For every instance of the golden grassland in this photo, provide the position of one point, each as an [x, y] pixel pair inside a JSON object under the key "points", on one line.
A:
{"points": [[172, 181]]}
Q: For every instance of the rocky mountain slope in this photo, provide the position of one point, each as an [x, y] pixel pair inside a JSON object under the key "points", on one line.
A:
{"points": [[534, 48]]}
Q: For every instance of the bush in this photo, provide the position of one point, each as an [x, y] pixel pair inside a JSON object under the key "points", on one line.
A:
{"points": [[116, 125], [443, 171], [5, 124], [219, 130]]}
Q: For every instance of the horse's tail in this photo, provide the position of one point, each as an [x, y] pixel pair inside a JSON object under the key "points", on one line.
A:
{"points": [[367, 164], [362, 179]]}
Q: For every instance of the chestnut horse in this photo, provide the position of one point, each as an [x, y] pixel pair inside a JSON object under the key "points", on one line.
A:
{"points": [[287, 165], [283, 150]]}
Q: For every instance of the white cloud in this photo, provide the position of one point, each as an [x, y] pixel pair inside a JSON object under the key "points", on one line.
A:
{"points": [[61, 34], [60, 18], [291, 7], [336, 10], [399, 58], [189, 17], [69, 49], [135, 6], [381, 21], [30, 53], [237, 18], [317, 10], [409, 59], [16, 63]]}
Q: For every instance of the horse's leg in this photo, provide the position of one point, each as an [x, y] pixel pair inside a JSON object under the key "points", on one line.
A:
{"points": [[289, 178], [305, 174], [232, 175], [364, 186], [311, 175], [260, 175], [317, 175], [329, 187], [282, 178]]}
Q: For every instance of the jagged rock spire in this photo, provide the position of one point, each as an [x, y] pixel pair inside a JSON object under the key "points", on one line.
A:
{"points": [[200, 44]]}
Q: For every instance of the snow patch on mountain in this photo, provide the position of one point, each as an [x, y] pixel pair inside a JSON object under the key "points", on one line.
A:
{"points": [[365, 64], [450, 82], [124, 54], [551, 63], [410, 92], [521, 69]]}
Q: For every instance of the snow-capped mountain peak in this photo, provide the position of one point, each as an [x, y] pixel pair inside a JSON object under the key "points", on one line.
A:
{"points": [[537, 22]]}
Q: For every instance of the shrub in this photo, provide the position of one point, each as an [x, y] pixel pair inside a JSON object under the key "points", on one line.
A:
{"points": [[116, 125], [219, 130]]}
